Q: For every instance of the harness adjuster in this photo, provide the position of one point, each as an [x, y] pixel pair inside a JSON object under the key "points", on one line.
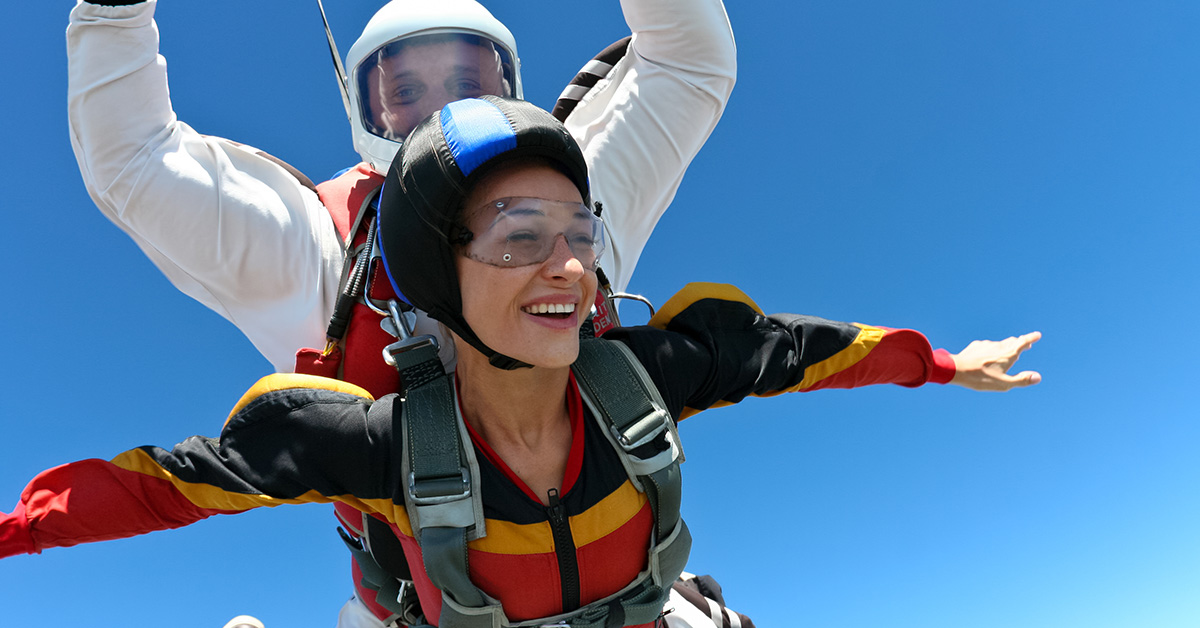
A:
{"points": [[643, 430], [439, 490], [411, 351]]}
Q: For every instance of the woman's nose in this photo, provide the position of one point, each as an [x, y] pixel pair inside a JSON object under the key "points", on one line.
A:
{"points": [[563, 262]]}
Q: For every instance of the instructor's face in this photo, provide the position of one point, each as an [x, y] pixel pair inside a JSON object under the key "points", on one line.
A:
{"points": [[408, 86]]}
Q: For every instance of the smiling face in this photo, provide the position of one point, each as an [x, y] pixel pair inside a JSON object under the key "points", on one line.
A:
{"points": [[531, 313]]}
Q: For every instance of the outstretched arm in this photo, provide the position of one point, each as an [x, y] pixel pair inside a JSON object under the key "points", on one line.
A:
{"points": [[94, 500], [288, 443], [720, 347]]}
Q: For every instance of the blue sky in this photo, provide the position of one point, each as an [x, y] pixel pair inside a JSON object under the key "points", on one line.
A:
{"points": [[972, 170]]}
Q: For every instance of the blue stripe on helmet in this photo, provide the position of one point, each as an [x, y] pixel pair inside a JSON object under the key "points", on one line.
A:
{"points": [[476, 131]]}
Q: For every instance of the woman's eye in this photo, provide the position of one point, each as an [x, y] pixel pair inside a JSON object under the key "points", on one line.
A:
{"points": [[523, 245], [582, 240], [523, 237]]}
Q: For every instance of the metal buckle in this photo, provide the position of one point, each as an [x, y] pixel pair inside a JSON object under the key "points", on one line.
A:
{"points": [[439, 490], [389, 326], [392, 352], [642, 431], [402, 324]]}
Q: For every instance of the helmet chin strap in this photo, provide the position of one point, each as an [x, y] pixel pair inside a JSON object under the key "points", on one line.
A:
{"points": [[459, 326], [506, 363], [495, 358]]}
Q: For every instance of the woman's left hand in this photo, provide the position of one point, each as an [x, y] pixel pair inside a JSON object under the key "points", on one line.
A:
{"points": [[984, 364]]}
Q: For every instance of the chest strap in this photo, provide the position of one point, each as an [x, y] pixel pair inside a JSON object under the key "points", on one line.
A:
{"points": [[445, 509]]}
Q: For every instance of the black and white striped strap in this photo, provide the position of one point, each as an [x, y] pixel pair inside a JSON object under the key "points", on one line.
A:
{"points": [[586, 78]]}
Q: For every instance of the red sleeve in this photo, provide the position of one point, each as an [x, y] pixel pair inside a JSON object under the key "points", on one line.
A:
{"points": [[902, 356], [92, 500], [14, 533]]}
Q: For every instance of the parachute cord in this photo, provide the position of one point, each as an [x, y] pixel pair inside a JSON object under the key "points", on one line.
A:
{"points": [[354, 288]]}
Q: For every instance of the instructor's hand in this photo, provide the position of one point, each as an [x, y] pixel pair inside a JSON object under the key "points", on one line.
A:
{"points": [[984, 364]]}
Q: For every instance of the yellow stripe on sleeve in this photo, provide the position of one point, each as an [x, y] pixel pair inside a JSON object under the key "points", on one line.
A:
{"points": [[215, 498], [689, 411], [205, 495], [866, 340], [287, 381], [698, 291]]}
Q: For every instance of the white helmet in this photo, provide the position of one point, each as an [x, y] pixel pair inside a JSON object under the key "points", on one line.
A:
{"points": [[405, 45]]}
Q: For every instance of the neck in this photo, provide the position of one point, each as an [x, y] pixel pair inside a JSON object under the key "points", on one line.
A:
{"points": [[522, 415], [520, 405]]}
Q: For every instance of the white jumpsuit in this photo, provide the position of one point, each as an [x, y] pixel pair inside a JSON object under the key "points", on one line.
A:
{"points": [[237, 232]]}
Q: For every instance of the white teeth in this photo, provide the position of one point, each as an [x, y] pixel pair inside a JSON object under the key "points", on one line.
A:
{"points": [[550, 308]]}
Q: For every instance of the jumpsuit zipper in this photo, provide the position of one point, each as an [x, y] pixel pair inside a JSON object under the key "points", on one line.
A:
{"points": [[564, 549]]}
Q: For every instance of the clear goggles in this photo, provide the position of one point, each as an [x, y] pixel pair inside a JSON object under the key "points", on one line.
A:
{"points": [[403, 81], [519, 231]]}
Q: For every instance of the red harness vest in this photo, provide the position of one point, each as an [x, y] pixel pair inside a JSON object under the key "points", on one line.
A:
{"points": [[359, 357]]}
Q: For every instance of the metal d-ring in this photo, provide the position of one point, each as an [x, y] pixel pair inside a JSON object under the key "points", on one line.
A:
{"points": [[633, 297]]}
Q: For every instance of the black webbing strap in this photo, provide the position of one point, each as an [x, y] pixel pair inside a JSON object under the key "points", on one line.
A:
{"points": [[439, 485], [626, 401], [620, 393], [385, 571], [438, 498]]}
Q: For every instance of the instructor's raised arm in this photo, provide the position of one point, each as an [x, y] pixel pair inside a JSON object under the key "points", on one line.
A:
{"points": [[229, 226], [641, 127]]}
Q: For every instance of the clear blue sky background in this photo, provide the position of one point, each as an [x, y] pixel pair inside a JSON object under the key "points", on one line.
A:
{"points": [[970, 169]]}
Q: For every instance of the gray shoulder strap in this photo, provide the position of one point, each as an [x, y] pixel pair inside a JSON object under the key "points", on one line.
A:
{"points": [[444, 506], [441, 497], [635, 419]]}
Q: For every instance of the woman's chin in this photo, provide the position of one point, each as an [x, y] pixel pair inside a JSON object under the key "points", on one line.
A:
{"points": [[550, 355]]}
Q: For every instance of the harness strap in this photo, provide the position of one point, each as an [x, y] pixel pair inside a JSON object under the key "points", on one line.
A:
{"points": [[587, 77], [439, 499], [391, 593], [442, 502], [634, 413]]}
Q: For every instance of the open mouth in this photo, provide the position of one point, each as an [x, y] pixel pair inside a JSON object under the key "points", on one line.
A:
{"points": [[550, 310]]}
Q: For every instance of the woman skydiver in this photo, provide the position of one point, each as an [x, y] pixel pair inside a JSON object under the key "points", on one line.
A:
{"points": [[538, 482]]}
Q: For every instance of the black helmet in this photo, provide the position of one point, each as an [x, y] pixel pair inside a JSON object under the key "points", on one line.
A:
{"points": [[430, 179]]}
